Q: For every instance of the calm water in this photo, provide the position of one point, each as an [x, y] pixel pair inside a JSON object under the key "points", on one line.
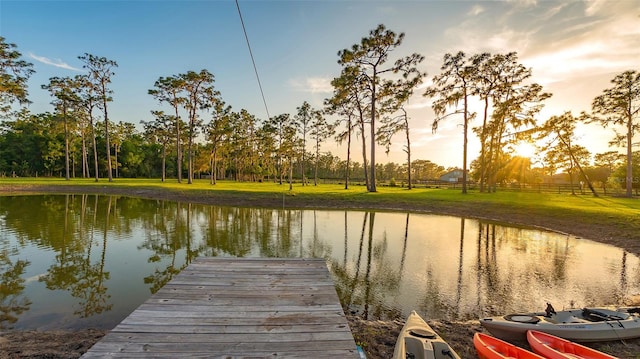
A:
{"points": [[77, 261]]}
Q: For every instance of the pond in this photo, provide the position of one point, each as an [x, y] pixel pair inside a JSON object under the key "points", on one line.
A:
{"points": [[80, 261]]}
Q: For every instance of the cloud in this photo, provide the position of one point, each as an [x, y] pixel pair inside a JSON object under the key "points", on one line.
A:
{"points": [[475, 10], [574, 61], [494, 27], [559, 41], [555, 10], [57, 62], [524, 3], [593, 7], [312, 84], [603, 43], [472, 40]]}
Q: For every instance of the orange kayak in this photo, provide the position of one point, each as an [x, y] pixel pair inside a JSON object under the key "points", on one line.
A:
{"points": [[553, 347], [489, 347]]}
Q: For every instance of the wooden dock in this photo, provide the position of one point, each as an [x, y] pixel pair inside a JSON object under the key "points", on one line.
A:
{"points": [[237, 308]]}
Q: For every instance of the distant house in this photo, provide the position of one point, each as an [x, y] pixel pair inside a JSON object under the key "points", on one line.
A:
{"points": [[452, 176]]}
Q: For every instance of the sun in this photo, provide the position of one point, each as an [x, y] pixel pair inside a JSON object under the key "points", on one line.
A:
{"points": [[525, 149]]}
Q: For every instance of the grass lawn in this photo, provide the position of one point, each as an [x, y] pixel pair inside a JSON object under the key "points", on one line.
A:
{"points": [[391, 196]]}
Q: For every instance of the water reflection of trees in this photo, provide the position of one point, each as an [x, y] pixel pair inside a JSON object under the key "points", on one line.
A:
{"points": [[225, 231], [495, 290], [527, 259], [12, 300], [368, 273], [364, 293], [75, 270], [434, 301], [239, 232], [163, 239]]}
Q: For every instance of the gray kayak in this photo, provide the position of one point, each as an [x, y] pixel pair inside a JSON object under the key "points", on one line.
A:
{"points": [[578, 325]]}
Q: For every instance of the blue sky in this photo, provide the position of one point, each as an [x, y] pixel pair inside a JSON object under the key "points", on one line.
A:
{"points": [[574, 49]]}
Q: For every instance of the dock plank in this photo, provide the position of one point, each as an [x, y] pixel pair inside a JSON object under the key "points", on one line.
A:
{"points": [[237, 308]]}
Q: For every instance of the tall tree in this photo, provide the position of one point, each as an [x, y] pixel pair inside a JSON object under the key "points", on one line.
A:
{"points": [[349, 96], [320, 131], [559, 133], [289, 148], [344, 104], [89, 100], [266, 151], [250, 123], [513, 120], [369, 58], [160, 129], [120, 133], [609, 160], [392, 126], [284, 129], [14, 75], [83, 128], [621, 171], [199, 94], [280, 127], [426, 170], [303, 122], [498, 76], [620, 105], [167, 89], [241, 143], [453, 85], [63, 90], [100, 73], [218, 129]]}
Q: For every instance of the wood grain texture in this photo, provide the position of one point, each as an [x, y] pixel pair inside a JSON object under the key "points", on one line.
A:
{"points": [[237, 308]]}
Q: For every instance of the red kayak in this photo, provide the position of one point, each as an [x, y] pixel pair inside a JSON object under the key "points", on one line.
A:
{"points": [[553, 347], [489, 347]]}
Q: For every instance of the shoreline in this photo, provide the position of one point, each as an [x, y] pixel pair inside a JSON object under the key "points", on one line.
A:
{"points": [[376, 337]]}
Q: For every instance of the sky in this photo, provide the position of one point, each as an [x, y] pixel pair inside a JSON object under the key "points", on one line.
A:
{"points": [[574, 49]]}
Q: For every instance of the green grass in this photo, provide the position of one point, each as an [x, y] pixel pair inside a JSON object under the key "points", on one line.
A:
{"points": [[392, 196]]}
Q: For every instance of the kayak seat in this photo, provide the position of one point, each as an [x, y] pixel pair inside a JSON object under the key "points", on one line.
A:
{"points": [[422, 333], [522, 318]]}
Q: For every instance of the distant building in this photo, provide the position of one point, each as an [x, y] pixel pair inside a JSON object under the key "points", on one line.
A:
{"points": [[452, 176]]}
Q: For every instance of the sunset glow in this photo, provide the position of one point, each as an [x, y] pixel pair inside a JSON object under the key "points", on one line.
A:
{"points": [[573, 48], [525, 149]]}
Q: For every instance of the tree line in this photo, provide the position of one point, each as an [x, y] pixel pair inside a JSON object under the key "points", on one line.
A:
{"points": [[492, 94]]}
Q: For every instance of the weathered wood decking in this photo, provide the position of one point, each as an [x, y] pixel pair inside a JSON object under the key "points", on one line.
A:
{"points": [[237, 308]]}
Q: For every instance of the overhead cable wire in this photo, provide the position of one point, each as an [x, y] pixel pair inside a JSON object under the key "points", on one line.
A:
{"points": [[252, 60], [255, 69]]}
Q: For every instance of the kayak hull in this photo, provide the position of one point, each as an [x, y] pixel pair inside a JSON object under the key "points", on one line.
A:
{"points": [[489, 347], [553, 347]]}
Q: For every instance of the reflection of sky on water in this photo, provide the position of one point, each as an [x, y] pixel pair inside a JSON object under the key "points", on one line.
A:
{"points": [[383, 264], [464, 269]]}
